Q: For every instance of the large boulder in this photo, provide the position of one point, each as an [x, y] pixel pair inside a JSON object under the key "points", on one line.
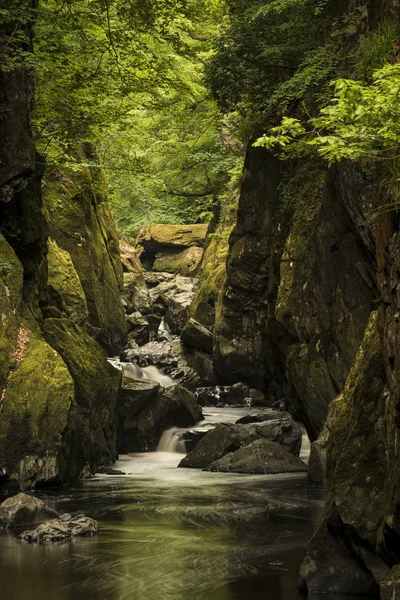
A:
{"points": [[197, 336], [60, 530], [260, 457], [24, 510], [138, 328], [159, 236], [227, 438], [173, 406], [185, 262], [136, 294]]}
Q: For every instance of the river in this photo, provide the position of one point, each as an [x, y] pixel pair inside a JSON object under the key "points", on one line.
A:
{"points": [[171, 534]]}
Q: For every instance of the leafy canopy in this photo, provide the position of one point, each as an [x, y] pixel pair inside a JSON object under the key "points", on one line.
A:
{"points": [[362, 122]]}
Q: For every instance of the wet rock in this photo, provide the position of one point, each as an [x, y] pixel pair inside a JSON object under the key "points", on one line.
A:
{"points": [[235, 395], [173, 298], [390, 586], [197, 336], [191, 438], [261, 457], [173, 406], [86, 472], [331, 568], [133, 395], [169, 357], [22, 510], [185, 262], [267, 415], [227, 438], [138, 328], [62, 529], [109, 471]]}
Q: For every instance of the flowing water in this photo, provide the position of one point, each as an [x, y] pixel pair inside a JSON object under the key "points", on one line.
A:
{"points": [[171, 534]]}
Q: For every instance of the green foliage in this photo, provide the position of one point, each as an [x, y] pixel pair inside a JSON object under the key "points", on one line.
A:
{"points": [[126, 78], [376, 48], [362, 122], [278, 57]]}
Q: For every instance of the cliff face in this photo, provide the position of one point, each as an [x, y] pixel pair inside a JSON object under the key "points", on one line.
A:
{"points": [[57, 390], [300, 283]]}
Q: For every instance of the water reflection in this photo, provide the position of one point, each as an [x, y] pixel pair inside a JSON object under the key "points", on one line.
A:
{"points": [[171, 534]]}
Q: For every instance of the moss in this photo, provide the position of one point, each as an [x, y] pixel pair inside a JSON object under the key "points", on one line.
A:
{"points": [[80, 227], [11, 282], [36, 407], [64, 285], [185, 263], [212, 271], [96, 387], [172, 235]]}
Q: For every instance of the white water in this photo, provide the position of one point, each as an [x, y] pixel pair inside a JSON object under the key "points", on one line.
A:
{"points": [[170, 441], [131, 369]]}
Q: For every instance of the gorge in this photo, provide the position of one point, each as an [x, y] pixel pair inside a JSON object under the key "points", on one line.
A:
{"points": [[194, 289]]}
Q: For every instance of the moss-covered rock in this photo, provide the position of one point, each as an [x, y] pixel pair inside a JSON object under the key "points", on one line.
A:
{"points": [[38, 408], [96, 388], [185, 262], [159, 236], [11, 282], [64, 285], [82, 226]]}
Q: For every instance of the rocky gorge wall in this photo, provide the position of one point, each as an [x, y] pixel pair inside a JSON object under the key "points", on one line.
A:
{"points": [[58, 392]]}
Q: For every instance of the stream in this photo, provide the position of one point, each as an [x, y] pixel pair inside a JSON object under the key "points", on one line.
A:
{"points": [[171, 534]]}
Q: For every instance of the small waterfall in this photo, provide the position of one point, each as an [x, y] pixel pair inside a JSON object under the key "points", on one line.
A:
{"points": [[154, 374], [170, 441], [164, 332]]}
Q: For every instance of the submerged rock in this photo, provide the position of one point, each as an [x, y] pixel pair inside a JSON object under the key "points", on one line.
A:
{"points": [[109, 471], [261, 457], [60, 530], [22, 510]]}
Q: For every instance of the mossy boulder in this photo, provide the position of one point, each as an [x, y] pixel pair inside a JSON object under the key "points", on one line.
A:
{"points": [[38, 409], [82, 226], [64, 286], [97, 384], [158, 236], [11, 282], [185, 262]]}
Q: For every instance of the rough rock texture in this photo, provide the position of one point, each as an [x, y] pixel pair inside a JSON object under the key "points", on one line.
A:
{"points": [[197, 336], [141, 432], [185, 262], [226, 438], [81, 225], [159, 236], [23, 510], [129, 257], [300, 283], [45, 419], [353, 536], [136, 294], [64, 286], [261, 457], [96, 388], [60, 530], [318, 450]]}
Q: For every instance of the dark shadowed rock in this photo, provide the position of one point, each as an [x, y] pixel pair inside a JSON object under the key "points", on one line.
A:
{"points": [[268, 415], [138, 328], [22, 510], [226, 438], [173, 406], [260, 457], [62, 529], [109, 471], [197, 336]]}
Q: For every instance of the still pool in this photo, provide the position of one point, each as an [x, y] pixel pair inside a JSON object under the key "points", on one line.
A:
{"points": [[170, 534]]}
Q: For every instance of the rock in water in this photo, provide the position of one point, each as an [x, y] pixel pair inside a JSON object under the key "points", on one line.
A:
{"points": [[62, 529], [227, 438], [22, 510], [261, 457]]}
